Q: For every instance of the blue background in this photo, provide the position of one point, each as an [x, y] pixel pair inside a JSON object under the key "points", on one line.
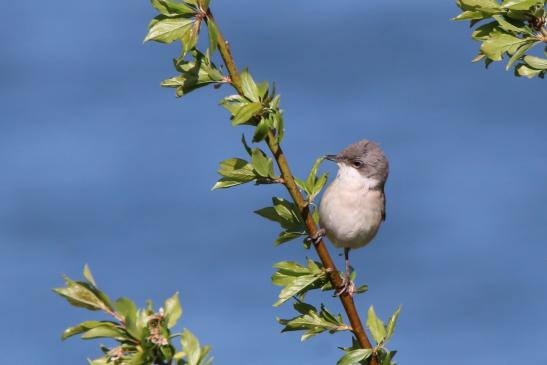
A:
{"points": [[100, 165]]}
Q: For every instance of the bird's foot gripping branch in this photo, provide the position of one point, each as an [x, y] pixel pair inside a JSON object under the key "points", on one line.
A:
{"points": [[257, 105]]}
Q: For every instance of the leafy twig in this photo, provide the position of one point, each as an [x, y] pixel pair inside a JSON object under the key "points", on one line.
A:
{"points": [[509, 29], [300, 202]]}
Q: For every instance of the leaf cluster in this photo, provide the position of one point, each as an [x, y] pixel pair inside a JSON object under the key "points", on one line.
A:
{"points": [[258, 106], [179, 21], [255, 105], [312, 321], [508, 30], [287, 215], [195, 73], [297, 279], [313, 184], [381, 333], [237, 171], [142, 336]]}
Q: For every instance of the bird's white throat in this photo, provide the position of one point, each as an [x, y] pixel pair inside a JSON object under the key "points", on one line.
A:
{"points": [[350, 177]]}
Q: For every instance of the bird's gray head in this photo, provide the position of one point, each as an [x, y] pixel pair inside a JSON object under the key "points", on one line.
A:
{"points": [[365, 157]]}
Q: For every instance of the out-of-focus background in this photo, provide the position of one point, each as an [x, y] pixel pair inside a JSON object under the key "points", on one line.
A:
{"points": [[100, 165]]}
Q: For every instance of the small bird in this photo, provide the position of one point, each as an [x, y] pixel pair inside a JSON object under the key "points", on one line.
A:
{"points": [[354, 204]]}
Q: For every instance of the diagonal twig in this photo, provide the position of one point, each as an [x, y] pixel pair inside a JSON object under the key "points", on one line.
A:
{"points": [[290, 184]]}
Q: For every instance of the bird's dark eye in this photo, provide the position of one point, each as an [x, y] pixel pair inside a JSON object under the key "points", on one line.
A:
{"points": [[357, 164]]}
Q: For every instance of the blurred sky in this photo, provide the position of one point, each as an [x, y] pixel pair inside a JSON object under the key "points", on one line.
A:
{"points": [[100, 165]]}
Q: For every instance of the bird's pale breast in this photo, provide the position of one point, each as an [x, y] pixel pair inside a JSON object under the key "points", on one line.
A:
{"points": [[351, 213]]}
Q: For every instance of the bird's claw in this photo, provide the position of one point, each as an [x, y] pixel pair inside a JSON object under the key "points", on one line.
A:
{"points": [[317, 236], [347, 287]]}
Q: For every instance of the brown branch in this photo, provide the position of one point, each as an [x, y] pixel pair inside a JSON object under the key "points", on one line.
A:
{"points": [[290, 184]]}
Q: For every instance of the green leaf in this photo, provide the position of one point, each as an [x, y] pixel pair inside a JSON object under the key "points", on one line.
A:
{"points": [[194, 74], [518, 54], [287, 236], [314, 184], [355, 357], [484, 31], [510, 27], [128, 310], [104, 332], [468, 15], [149, 310], [213, 35], [262, 164], [204, 358], [376, 326], [361, 289], [278, 124], [233, 103], [287, 215], [499, 43], [172, 8], [137, 358], [288, 212], [312, 176], [263, 88], [293, 268], [315, 215], [168, 29], [385, 357], [521, 4], [191, 347], [172, 310], [88, 276], [487, 6], [297, 279], [304, 308], [301, 184], [143, 317], [261, 130], [237, 168], [523, 70], [235, 171], [83, 327], [167, 351], [312, 322], [126, 307], [536, 62], [225, 183], [250, 90], [190, 38], [84, 295], [298, 285], [205, 4], [246, 112], [390, 328]]}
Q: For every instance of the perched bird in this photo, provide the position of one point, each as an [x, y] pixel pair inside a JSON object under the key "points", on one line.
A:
{"points": [[354, 205]]}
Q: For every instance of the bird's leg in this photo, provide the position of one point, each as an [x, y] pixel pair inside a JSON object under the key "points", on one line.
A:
{"points": [[347, 284], [317, 236]]}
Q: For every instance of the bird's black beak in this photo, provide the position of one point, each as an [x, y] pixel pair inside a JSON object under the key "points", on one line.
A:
{"points": [[331, 158]]}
